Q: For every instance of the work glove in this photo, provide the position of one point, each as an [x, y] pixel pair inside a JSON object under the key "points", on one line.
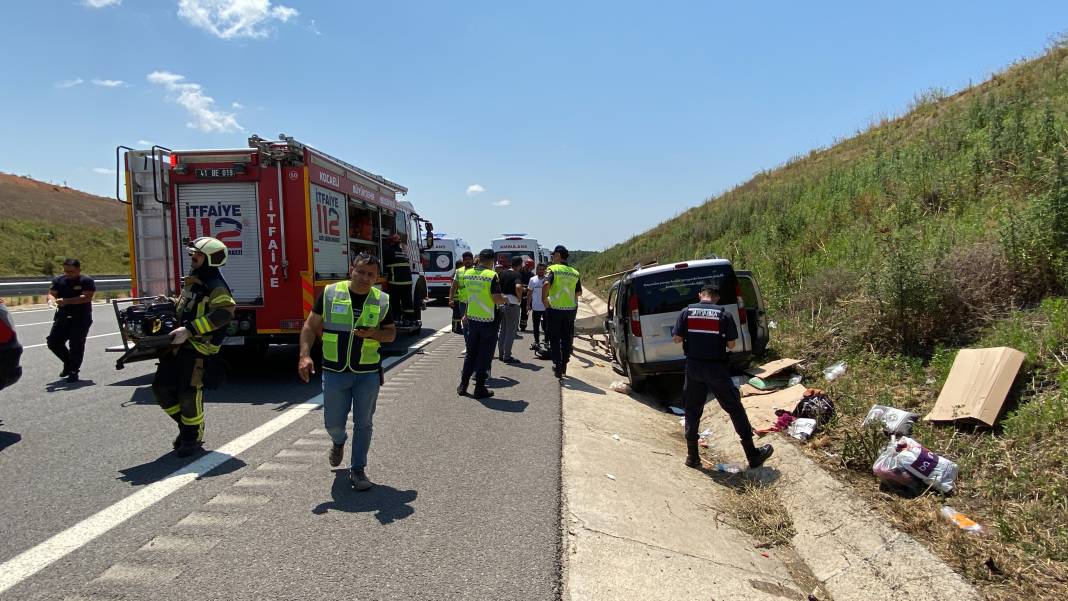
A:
{"points": [[180, 335]]}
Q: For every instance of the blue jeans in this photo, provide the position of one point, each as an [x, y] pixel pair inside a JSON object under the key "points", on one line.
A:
{"points": [[343, 391]]}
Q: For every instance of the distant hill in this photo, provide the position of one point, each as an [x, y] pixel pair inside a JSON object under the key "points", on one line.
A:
{"points": [[44, 223]]}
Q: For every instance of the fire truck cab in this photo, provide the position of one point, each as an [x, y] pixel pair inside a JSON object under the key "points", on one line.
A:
{"points": [[292, 217]]}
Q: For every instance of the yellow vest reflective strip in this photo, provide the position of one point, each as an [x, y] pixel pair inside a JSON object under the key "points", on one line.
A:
{"points": [[562, 291], [338, 324], [477, 284]]}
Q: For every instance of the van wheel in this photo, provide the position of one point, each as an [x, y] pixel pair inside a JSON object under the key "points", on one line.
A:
{"points": [[637, 382]]}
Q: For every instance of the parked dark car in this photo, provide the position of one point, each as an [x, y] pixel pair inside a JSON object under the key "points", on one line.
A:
{"points": [[10, 350]]}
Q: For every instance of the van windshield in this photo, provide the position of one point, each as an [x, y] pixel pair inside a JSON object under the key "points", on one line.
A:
{"points": [[439, 260], [671, 291]]}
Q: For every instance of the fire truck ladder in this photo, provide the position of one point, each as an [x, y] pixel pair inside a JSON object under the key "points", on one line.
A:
{"points": [[148, 195]]}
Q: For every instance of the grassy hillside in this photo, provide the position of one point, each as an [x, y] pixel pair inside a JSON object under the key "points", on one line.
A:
{"points": [[942, 228], [44, 223]]}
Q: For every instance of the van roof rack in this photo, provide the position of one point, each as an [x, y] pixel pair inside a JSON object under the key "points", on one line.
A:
{"points": [[636, 267]]}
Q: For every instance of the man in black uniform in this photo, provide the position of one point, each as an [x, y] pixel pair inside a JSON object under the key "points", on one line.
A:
{"points": [[707, 332], [400, 280], [72, 293]]}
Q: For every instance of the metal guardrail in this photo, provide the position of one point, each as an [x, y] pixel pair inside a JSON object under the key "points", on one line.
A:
{"points": [[25, 286]]}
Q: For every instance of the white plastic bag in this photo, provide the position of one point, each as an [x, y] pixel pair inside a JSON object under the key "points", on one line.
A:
{"points": [[801, 428], [620, 386], [895, 421], [905, 461]]}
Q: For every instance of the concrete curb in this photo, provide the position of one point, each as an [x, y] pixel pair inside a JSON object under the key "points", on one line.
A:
{"points": [[653, 530]]}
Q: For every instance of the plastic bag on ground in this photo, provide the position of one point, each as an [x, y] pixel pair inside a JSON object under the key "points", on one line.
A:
{"points": [[962, 521], [802, 428], [895, 421], [904, 456], [620, 386]]}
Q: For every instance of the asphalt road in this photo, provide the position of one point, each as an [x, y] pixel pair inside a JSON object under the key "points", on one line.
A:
{"points": [[466, 503]]}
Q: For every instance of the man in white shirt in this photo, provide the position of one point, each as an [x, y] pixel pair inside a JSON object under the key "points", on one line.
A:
{"points": [[535, 303]]}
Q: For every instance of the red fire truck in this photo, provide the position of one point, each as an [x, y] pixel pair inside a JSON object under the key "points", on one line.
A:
{"points": [[291, 215]]}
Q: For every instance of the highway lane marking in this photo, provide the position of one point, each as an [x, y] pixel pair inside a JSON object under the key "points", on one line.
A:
{"points": [[44, 554], [87, 338], [40, 323]]}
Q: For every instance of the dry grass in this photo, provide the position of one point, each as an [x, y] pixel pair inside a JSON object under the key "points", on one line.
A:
{"points": [[756, 509]]}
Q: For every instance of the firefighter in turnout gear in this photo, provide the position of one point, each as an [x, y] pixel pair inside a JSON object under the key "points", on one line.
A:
{"points": [[707, 333], [205, 308], [399, 271]]}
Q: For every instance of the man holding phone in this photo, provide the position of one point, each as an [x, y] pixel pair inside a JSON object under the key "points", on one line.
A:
{"points": [[353, 320]]}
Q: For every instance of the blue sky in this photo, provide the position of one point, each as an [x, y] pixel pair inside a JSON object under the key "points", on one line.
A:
{"points": [[581, 123]]}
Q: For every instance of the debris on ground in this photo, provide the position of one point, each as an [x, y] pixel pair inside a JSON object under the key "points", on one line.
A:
{"points": [[908, 463], [977, 385], [761, 408], [802, 428], [785, 419], [770, 369], [676, 410], [894, 421], [702, 439], [620, 386], [767, 384], [615, 437], [835, 371], [727, 468], [610, 476], [962, 521], [815, 404]]}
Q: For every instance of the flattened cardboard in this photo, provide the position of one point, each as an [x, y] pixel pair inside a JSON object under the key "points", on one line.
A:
{"points": [[770, 369], [977, 385], [748, 390], [761, 408]]}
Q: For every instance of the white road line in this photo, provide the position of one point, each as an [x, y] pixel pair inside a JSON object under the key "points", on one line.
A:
{"points": [[39, 323], [87, 338], [31, 561], [34, 560]]}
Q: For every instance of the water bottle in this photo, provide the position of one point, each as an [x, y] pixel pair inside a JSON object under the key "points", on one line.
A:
{"points": [[833, 372], [727, 468]]}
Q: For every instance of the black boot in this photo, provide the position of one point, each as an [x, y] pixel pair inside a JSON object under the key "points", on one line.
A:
{"points": [[177, 439], [190, 443], [461, 390], [693, 456], [481, 392], [756, 455]]}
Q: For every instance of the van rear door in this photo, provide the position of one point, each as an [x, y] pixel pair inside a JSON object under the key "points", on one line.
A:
{"points": [[662, 295], [756, 314]]}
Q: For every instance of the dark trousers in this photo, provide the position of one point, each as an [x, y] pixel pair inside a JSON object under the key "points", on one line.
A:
{"points": [[538, 317], [703, 377], [560, 329], [400, 299], [481, 341], [70, 330], [178, 388]]}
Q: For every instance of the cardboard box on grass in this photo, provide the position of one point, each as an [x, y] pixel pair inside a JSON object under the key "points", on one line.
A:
{"points": [[977, 385]]}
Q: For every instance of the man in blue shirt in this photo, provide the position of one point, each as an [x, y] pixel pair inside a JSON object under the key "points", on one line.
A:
{"points": [[707, 333]]}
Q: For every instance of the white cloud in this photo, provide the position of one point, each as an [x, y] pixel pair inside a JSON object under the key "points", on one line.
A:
{"points": [[237, 105], [312, 27], [200, 106], [101, 3], [144, 143], [475, 189], [103, 171], [504, 202], [230, 19], [70, 83], [108, 83]]}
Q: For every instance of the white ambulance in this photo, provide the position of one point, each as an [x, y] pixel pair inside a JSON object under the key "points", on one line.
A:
{"points": [[439, 263]]}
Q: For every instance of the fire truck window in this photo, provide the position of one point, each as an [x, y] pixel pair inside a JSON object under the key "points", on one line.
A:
{"points": [[363, 230]]}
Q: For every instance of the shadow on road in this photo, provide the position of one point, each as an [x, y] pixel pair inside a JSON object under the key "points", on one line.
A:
{"points": [[505, 405], [503, 382], [8, 438], [63, 385], [157, 469], [388, 504], [575, 384]]}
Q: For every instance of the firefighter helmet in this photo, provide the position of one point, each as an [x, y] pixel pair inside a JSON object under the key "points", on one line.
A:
{"points": [[213, 249]]}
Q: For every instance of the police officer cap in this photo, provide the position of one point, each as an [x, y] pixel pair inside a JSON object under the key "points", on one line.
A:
{"points": [[560, 248], [710, 288], [486, 253]]}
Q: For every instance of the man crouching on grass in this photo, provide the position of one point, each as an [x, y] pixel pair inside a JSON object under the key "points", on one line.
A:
{"points": [[353, 320]]}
